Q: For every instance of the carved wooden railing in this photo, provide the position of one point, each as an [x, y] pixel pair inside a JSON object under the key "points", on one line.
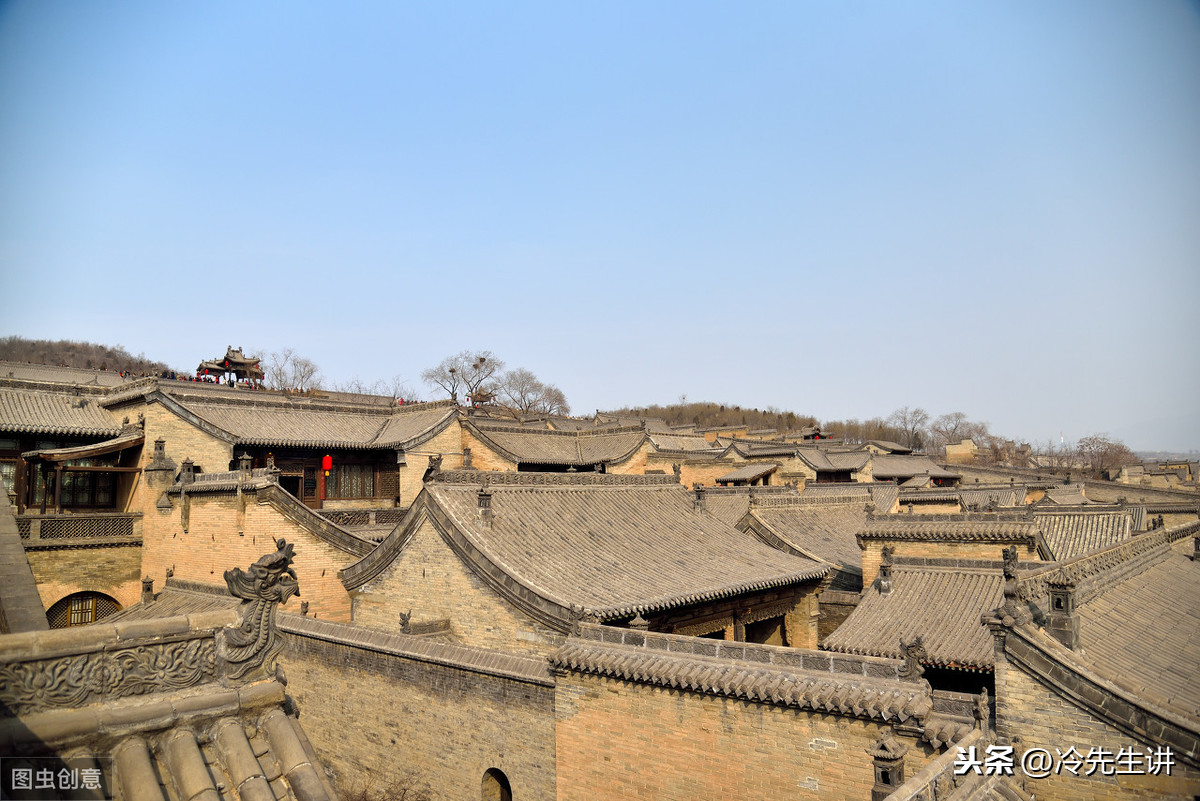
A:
{"points": [[95, 525]]}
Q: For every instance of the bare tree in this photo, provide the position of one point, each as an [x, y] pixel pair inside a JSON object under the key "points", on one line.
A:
{"points": [[287, 370], [952, 428], [525, 392], [911, 425], [1101, 454], [395, 388], [472, 372]]}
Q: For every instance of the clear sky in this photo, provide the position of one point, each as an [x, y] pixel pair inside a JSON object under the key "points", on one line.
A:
{"points": [[837, 208]]}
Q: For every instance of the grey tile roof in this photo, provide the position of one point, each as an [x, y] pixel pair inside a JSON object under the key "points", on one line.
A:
{"points": [[825, 461], [940, 601], [984, 497], [748, 473], [256, 420], [60, 375], [680, 442], [1067, 496], [578, 448], [890, 465], [953, 528], [1144, 632], [730, 504], [882, 494], [615, 545], [54, 414], [1068, 535], [821, 529], [179, 597], [851, 686]]}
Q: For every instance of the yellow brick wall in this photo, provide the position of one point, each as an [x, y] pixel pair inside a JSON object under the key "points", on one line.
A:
{"points": [[212, 544], [426, 728], [449, 443], [429, 579], [617, 739], [872, 553], [1041, 718], [482, 456], [65, 571]]}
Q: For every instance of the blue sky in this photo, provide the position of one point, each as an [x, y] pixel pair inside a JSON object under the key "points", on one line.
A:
{"points": [[833, 208]]}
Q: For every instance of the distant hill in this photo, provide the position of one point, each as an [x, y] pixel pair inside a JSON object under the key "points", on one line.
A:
{"points": [[711, 415], [65, 353]]}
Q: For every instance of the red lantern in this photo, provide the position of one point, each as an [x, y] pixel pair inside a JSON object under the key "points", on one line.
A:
{"points": [[327, 463]]}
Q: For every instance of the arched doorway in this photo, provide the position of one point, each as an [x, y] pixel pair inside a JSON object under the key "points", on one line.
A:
{"points": [[496, 786], [80, 609]]}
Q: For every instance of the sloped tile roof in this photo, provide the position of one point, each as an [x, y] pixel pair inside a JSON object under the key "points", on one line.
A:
{"points": [[730, 504], [792, 677], [992, 496], [891, 465], [748, 473], [60, 375], [823, 530], [409, 425], [578, 448], [615, 545], [1144, 632], [1068, 535], [952, 528], [258, 421], [54, 414], [941, 602], [680, 442]]}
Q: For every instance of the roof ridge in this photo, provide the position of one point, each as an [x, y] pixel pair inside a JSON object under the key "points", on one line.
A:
{"points": [[499, 478]]}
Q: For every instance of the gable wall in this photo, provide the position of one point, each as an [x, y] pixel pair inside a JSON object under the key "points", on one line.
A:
{"points": [[429, 579], [390, 723], [212, 544], [1042, 718], [482, 456]]}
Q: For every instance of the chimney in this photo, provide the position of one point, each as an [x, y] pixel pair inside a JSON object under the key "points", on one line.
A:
{"points": [[244, 463], [160, 451], [888, 756], [147, 590], [187, 473], [639, 623], [885, 570], [485, 506], [698, 504], [1062, 623]]}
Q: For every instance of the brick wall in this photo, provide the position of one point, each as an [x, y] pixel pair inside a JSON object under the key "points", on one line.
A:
{"points": [[212, 544], [616, 739], [1039, 717], [114, 571], [393, 723], [872, 552], [482, 456], [429, 579], [449, 443]]}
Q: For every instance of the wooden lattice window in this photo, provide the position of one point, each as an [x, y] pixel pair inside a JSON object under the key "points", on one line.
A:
{"points": [[351, 481], [80, 609]]}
